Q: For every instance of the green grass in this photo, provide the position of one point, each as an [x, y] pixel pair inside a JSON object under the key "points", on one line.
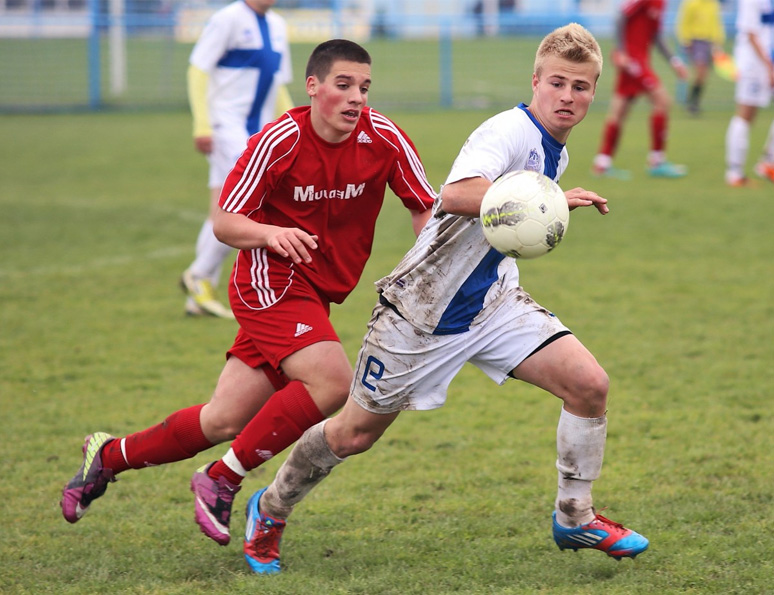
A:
{"points": [[672, 291]]}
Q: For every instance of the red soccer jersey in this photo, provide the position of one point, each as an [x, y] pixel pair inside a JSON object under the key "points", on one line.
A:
{"points": [[642, 24], [290, 177]]}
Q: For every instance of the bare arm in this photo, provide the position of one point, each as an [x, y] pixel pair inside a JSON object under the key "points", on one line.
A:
{"points": [[243, 233], [756, 44], [675, 62], [464, 196], [418, 220]]}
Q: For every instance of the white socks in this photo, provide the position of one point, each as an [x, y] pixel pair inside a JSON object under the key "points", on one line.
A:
{"points": [[768, 148], [580, 445], [737, 145], [310, 461]]}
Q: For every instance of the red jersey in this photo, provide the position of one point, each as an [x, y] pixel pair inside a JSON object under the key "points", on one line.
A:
{"points": [[290, 177], [642, 21]]}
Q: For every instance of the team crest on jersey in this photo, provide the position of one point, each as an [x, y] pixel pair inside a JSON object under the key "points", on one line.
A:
{"points": [[533, 161]]}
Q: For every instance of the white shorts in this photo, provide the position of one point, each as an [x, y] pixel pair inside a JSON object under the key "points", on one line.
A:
{"points": [[752, 87], [402, 368], [228, 143]]}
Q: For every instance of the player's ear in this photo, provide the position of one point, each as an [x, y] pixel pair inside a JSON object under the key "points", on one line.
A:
{"points": [[311, 85]]}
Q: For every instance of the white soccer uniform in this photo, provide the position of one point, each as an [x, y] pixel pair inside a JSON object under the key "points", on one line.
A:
{"points": [[756, 17], [247, 57], [453, 298]]}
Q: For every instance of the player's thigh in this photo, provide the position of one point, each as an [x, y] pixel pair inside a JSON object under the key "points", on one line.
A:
{"points": [[325, 370], [565, 368], [660, 98], [402, 368], [240, 393], [619, 107]]}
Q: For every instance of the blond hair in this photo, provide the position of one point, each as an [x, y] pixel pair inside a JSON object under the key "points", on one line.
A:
{"points": [[572, 42]]}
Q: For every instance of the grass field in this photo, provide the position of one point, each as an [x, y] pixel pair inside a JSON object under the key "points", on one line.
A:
{"points": [[673, 291]]}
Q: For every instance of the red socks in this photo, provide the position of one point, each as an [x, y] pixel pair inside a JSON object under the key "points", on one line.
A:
{"points": [[658, 131], [281, 421], [610, 137], [177, 438]]}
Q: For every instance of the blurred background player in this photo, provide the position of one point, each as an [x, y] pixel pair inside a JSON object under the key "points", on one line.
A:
{"points": [[753, 55], [638, 27], [700, 32], [236, 77]]}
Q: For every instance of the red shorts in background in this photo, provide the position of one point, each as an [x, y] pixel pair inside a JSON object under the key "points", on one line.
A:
{"points": [[637, 79]]}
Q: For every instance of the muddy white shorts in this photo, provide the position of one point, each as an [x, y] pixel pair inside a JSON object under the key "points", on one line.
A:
{"points": [[402, 368]]}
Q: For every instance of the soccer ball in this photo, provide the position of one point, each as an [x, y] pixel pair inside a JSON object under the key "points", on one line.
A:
{"points": [[524, 214]]}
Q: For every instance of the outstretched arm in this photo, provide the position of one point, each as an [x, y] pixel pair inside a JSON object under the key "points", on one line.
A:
{"points": [[674, 61], [464, 196]]}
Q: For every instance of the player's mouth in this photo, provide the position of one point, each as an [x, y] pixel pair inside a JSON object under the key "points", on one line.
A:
{"points": [[351, 114], [564, 113]]}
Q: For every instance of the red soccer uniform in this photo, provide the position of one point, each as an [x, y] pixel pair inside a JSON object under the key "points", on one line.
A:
{"points": [[290, 177], [642, 22]]}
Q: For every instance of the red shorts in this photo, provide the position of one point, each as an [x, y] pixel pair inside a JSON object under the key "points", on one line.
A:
{"points": [[267, 336], [637, 80]]}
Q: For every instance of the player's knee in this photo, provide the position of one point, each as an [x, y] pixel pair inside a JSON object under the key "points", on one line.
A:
{"points": [[587, 395], [219, 426], [356, 443], [594, 387], [224, 430], [331, 392]]}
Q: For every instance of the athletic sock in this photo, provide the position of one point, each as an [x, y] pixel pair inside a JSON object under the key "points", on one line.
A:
{"points": [[658, 131], [737, 145], [580, 444], [177, 438], [310, 461], [610, 136], [768, 147], [280, 422]]}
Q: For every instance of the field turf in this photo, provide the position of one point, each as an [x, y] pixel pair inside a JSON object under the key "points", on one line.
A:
{"points": [[673, 291]]}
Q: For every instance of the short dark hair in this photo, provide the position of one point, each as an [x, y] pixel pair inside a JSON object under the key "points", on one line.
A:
{"points": [[328, 52]]}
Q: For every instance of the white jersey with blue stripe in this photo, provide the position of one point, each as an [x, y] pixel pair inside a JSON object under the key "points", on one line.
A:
{"points": [[756, 17], [247, 57], [444, 283]]}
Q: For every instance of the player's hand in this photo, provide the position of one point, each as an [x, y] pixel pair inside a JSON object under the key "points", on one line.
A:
{"points": [[203, 144], [292, 243], [620, 59], [578, 197], [679, 67]]}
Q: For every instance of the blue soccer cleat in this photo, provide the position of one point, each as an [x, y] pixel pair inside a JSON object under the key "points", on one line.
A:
{"points": [[665, 169], [601, 534], [262, 538]]}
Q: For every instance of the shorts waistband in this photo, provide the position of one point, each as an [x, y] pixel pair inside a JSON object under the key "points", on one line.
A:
{"points": [[385, 302]]}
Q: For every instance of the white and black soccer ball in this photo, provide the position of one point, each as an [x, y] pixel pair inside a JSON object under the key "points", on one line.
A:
{"points": [[524, 214]]}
